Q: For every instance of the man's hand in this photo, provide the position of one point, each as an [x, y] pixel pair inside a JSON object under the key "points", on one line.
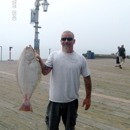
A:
{"points": [[86, 103], [37, 55]]}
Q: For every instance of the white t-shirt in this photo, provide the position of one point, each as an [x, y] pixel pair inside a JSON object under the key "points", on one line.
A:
{"points": [[65, 75]]}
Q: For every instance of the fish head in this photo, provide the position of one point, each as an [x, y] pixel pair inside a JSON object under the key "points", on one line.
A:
{"points": [[29, 53]]}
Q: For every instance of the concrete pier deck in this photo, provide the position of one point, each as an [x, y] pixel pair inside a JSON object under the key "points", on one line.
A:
{"points": [[110, 107]]}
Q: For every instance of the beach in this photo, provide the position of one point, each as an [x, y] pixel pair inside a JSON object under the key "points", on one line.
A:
{"points": [[110, 106]]}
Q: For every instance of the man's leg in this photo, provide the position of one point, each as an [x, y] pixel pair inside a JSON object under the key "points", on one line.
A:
{"points": [[52, 116], [69, 115], [120, 58], [123, 60]]}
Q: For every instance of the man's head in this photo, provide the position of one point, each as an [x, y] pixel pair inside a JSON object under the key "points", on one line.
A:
{"points": [[67, 41], [122, 46]]}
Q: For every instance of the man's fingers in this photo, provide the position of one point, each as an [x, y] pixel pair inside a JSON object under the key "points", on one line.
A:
{"points": [[83, 104], [87, 107]]}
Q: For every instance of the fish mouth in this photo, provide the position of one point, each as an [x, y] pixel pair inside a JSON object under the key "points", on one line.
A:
{"points": [[29, 47], [29, 53]]}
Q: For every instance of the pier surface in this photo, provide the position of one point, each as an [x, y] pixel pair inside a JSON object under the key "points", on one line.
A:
{"points": [[110, 107]]}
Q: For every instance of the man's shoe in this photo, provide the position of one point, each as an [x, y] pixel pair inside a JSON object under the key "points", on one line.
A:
{"points": [[120, 67]]}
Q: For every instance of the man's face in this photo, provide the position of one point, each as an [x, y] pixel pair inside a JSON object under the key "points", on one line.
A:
{"points": [[67, 42]]}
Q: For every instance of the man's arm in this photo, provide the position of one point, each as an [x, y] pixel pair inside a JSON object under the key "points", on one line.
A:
{"points": [[124, 52], [88, 88], [45, 69]]}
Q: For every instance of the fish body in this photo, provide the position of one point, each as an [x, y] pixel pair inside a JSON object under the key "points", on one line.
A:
{"points": [[28, 75]]}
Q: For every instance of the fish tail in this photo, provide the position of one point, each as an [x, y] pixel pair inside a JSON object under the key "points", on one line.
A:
{"points": [[26, 105]]}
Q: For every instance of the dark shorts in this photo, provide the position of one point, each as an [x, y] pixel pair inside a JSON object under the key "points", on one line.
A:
{"points": [[68, 112]]}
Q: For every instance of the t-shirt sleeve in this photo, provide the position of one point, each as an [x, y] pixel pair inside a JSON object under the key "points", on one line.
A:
{"points": [[49, 61], [85, 68]]}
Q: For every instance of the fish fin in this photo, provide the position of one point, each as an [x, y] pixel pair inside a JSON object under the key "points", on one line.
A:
{"points": [[26, 106]]}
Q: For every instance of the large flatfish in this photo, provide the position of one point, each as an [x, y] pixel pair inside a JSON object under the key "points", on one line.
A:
{"points": [[28, 76]]}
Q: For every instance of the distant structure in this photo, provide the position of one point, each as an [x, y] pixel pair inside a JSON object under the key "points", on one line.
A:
{"points": [[89, 55], [10, 54], [111, 56]]}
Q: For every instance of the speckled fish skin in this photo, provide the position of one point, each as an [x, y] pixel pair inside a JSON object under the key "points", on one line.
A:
{"points": [[28, 75]]}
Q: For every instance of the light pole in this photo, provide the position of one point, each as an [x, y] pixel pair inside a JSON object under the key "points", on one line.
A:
{"points": [[34, 19], [1, 53], [10, 53]]}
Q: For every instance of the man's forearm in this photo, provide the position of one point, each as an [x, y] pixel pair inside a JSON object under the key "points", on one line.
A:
{"points": [[41, 63], [88, 86], [45, 69]]}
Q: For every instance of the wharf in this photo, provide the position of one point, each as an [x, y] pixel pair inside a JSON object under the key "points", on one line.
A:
{"points": [[110, 107]]}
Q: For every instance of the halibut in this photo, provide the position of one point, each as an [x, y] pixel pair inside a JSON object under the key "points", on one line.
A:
{"points": [[28, 75]]}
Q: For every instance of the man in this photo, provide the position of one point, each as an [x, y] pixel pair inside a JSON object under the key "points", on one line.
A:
{"points": [[66, 66], [122, 56]]}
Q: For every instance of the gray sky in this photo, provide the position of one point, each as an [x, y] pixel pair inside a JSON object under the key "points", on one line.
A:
{"points": [[98, 25]]}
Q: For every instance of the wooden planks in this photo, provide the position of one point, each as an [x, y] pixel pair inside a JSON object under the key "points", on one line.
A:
{"points": [[110, 108]]}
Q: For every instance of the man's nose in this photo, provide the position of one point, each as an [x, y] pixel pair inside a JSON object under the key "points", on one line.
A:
{"points": [[66, 40]]}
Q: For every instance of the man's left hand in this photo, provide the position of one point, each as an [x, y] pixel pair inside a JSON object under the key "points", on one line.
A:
{"points": [[86, 103]]}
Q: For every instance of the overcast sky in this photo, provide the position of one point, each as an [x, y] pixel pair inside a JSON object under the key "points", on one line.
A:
{"points": [[98, 25]]}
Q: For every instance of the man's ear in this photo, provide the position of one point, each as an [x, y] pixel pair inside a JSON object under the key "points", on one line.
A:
{"points": [[60, 42], [74, 41]]}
